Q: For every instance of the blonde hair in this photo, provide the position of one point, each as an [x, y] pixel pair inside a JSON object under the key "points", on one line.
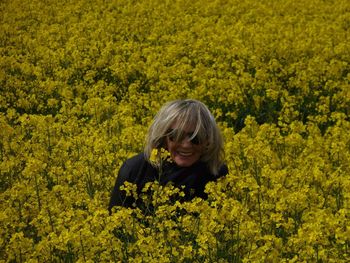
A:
{"points": [[184, 113]]}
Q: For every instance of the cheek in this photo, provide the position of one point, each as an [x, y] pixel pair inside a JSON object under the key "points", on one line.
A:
{"points": [[200, 149], [170, 147], [167, 144], [200, 154]]}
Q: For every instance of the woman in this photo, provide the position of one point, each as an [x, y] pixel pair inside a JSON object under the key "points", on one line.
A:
{"points": [[188, 131]]}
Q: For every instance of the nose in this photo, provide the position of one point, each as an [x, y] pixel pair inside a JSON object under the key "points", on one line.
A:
{"points": [[186, 142]]}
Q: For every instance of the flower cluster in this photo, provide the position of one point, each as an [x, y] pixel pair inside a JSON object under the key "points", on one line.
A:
{"points": [[160, 155], [80, 82]]}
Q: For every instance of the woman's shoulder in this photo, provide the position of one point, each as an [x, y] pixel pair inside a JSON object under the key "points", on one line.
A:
{"points": [[136, 160], [133, 167], [223, 170], [203, 169]]}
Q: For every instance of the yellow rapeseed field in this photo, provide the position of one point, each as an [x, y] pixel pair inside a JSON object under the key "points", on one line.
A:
{"points": [[81, 80]]}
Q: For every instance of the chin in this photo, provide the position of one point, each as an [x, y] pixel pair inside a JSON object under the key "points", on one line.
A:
{"points": [[184, 163]]}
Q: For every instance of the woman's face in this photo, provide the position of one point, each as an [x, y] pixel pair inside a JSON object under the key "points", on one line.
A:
{"points": [[184, 152]]}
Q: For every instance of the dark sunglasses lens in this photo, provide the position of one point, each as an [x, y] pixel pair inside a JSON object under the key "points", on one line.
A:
{"points": [[171, 137], [175, 135], [195, 140]]}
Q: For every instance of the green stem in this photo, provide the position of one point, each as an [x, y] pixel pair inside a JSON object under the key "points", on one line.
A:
{"points": [[37, 191], [82, 246]]}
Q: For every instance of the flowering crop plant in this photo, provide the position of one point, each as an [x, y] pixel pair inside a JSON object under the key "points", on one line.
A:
{"points": [[80, 82]]}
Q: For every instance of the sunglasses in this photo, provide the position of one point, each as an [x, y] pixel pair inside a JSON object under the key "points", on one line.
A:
{"points": [[176, 135]]}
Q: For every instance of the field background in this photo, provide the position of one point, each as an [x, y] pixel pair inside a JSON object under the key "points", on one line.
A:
{"points": [[81, 80]]}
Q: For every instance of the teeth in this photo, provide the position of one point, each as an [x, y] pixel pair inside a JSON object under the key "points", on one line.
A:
{"points": [[185, 153]]}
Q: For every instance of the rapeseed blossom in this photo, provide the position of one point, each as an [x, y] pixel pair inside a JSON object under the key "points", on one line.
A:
{"points": [[81, 81], [158, 156]]}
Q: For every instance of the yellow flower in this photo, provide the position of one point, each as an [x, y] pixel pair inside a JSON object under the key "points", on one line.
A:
{"points": [[158, 156], [154, 156]]}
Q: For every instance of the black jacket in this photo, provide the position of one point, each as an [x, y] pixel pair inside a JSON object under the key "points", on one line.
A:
{"points": [[139, 171]]}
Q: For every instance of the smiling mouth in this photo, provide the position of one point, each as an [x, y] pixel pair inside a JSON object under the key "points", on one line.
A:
{"points": [[185, 154]]}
